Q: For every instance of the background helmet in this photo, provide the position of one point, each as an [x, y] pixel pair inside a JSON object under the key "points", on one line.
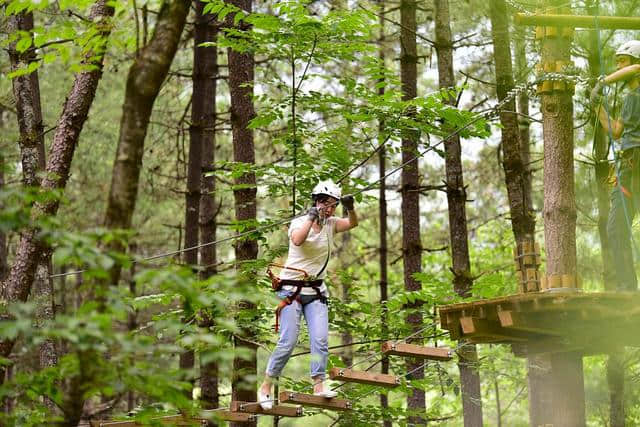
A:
{"points": [[630, 48], [327, 188]]}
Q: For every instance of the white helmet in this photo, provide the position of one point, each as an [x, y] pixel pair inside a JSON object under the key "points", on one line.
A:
{"points": [[630, 48], [327, 188]]}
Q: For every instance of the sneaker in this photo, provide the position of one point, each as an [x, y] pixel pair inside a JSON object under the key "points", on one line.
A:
{"points": [[329, 394], [265, 400]]}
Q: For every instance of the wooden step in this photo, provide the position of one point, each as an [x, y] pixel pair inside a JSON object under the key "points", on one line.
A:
{"points": [[240, 417], [361, 377], [179, 420], [410, 350], [173, 420], [315, 401], [255, 408]]}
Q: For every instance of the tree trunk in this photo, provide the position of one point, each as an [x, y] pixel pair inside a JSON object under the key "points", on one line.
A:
{"points": [[565, 378], [382, 213], [18, 283], [4, 266], [456, 199], [522, 217], [203, 110], [241, 79], [515, 146], [524, 122], [194, 164], [26, 91], [146, 75], [411, 245]]}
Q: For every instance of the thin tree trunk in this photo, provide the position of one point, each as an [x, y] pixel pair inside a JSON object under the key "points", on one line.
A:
{"points": [[346, 336], [205, 70], [411, 245], [522, 216], [194, 163], [524, 122], [132, 320], [382, 209], [456, 198], [241, 79], [615, 364], [146, 75], [26, 90], [4, 266], [18, 283], [565, 382], [515, 146]]}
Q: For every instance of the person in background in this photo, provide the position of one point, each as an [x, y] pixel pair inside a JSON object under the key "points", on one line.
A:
{"points": [[625, 129]]}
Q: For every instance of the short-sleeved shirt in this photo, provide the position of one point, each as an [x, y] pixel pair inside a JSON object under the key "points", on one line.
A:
{"points": [[630, 116], [311, 256]]}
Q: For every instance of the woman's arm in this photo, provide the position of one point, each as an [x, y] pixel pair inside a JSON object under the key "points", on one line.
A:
{"points": [[609, 123], [344, 224], [300, 234], [622, 74]]}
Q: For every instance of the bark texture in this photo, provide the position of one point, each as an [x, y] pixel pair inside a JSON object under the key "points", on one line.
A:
{"points": [[241, 76], [146, 75], [456, 199], [566, 376], [522, 216], [26, 91], [411, 245], [523, 120], [205, 70]]}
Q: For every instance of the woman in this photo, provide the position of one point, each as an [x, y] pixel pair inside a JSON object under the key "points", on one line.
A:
{"points": [[311, 239]]}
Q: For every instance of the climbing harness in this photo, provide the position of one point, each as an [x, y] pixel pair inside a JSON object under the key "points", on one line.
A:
{"points": [[306, 282]]}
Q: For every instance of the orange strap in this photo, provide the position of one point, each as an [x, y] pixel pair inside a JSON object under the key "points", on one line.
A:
{"points": [[283, 303]]}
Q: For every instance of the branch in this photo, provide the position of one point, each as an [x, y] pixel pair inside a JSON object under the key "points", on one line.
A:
{"points": [[421, 37]]}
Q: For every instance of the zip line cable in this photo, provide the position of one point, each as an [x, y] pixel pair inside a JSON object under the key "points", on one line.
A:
{"points": [[485, 115]]}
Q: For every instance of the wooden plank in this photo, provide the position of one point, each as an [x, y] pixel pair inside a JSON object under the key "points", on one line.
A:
{"points": [[255, 408], [174, 420], [522, 322], [361, 377], [417, 351], [239, 417], [102, 423], [474, 328], [315, 401]]}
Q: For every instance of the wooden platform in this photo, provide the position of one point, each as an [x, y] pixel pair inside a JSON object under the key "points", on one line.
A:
{"points": [[392, 348], [547, 322], [362, 377], [315, 401], [255, 408]]}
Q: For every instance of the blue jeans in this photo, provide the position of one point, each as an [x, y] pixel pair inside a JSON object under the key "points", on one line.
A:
{"points": [[317, 317], [623, 210]]}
